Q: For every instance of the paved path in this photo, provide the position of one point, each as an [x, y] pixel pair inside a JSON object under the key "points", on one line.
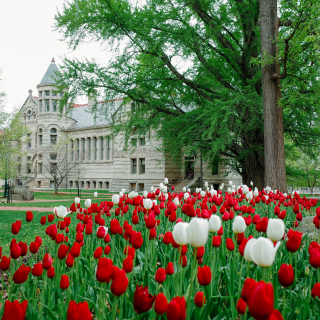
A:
{"points": [[26, 209]]}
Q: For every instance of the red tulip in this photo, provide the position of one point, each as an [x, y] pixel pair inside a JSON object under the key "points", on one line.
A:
{"points": [[51, 273], [137, 240], [160, 275], [142, 299], [98, 253], [38, 240], [204, 275], [107, 250], [15, 228], [294, 240], [230, 244], [114, 226], [262, 225], [150, 221], [47, 261], [75, 249], [216, 241], [37, 270], [286, 275], [119, 283], [127, 264], [101, 232], [104, 270], [314, 252], [15, 251], [15, 310], [78, 311], [170, 269], [241, 306], [43, 220], [64, 282], [315, 292], [34, 247], [21, 275], [29, 216], [283, 214], [199, 299], [177, 309], [161, 304], [5, 263], [129, 251], [63, 251], [69, 260], [59, 238], [167, 239]]}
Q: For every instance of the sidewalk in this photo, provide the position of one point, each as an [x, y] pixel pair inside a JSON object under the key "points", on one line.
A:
{"points": [[41, 209]]}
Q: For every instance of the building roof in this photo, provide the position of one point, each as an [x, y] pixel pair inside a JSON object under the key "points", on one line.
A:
{"points": [[48, 78], [101, 115]]}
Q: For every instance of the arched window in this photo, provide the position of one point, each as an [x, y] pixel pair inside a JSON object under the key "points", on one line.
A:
{"points": [[53, 136]]}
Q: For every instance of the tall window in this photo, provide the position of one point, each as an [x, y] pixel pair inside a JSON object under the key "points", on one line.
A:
{"points": [[83, 148], [134, 142], [47, 105], [95, 146], [142, 141], [78, 149], [89, 148], [133, 166], [72, 149], [40, 94], [142, 166], [47, 93], [40, 105], [53, 156], [40, 167], [101, 148], [40, 136], [54, 105], [53, 136], [29, 140], [108, 149], [53, 167], [54, 93], [133, 107]]}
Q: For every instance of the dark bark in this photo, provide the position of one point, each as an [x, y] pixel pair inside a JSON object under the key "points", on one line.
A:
{"points": [[275, 172]]}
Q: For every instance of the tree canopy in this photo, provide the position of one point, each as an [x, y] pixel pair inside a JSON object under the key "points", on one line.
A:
{"points": [[194, 68]]}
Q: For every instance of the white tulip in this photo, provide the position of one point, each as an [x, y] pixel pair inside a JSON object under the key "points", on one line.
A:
{"points": [[160, 186], [131, 195], [266, 197], [275, 229], [200, 189], [197, 190], [221, 187], [123, 190], [87, 203], [230, 183], [229, 190], [61, 211], [166, 181], [207, 189], [202, 193], [198, 231], [238, 225], [186, 196], [245, 189], [166, 196], [206, 184], [120, 194], [179, 233], [263, 252], [189, 190], [256, 192], [184, 189], [176, 202], [115, 199], [285, 195], [164, 189], [76, 200], [147, 203], [233, 186], [155, 202], [251, 183], [249, 195], [267, 189], [247, 249], [95, 194], [145, 194], [214, 223], [152, 189]]}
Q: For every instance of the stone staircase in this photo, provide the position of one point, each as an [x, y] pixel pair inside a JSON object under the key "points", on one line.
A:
{"points": [[180, 184]]}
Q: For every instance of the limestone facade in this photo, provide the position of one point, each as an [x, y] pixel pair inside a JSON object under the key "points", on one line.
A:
{"points": [[79, 143]]}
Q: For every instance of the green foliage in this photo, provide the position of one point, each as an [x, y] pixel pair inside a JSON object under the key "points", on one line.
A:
{"points": [[194, 68]]}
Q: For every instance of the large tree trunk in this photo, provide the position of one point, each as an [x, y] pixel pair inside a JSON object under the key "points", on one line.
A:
{"points": [[275, 172], [253, 170]]}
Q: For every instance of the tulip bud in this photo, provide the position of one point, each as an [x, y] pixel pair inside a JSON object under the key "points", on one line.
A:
{"points": [[239, 225], [87, 203], [115, 199], [275, 229], [95, 194], [76, 200], [214, 223]]}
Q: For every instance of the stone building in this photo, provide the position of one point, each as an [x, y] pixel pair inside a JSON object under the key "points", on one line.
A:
{"points": [[78, 143]]}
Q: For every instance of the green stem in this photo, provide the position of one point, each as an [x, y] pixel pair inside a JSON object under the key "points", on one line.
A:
{"points": [[114, 307], [284, 303], [191, 284]]}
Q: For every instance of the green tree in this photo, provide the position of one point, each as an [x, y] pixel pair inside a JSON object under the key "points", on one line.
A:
{"points": [[194, 68]]}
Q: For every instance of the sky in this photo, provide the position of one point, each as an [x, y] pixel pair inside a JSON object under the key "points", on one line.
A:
{"points": [[28, 43]]}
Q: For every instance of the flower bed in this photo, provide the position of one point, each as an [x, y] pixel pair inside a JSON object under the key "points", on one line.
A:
{"points": [[206, 255]]}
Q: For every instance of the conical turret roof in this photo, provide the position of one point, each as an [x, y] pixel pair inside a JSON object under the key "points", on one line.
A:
{"points": [[50, 74]]}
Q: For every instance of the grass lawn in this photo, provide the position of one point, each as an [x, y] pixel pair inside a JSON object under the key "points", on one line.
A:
{"points": [[27, 233]]}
